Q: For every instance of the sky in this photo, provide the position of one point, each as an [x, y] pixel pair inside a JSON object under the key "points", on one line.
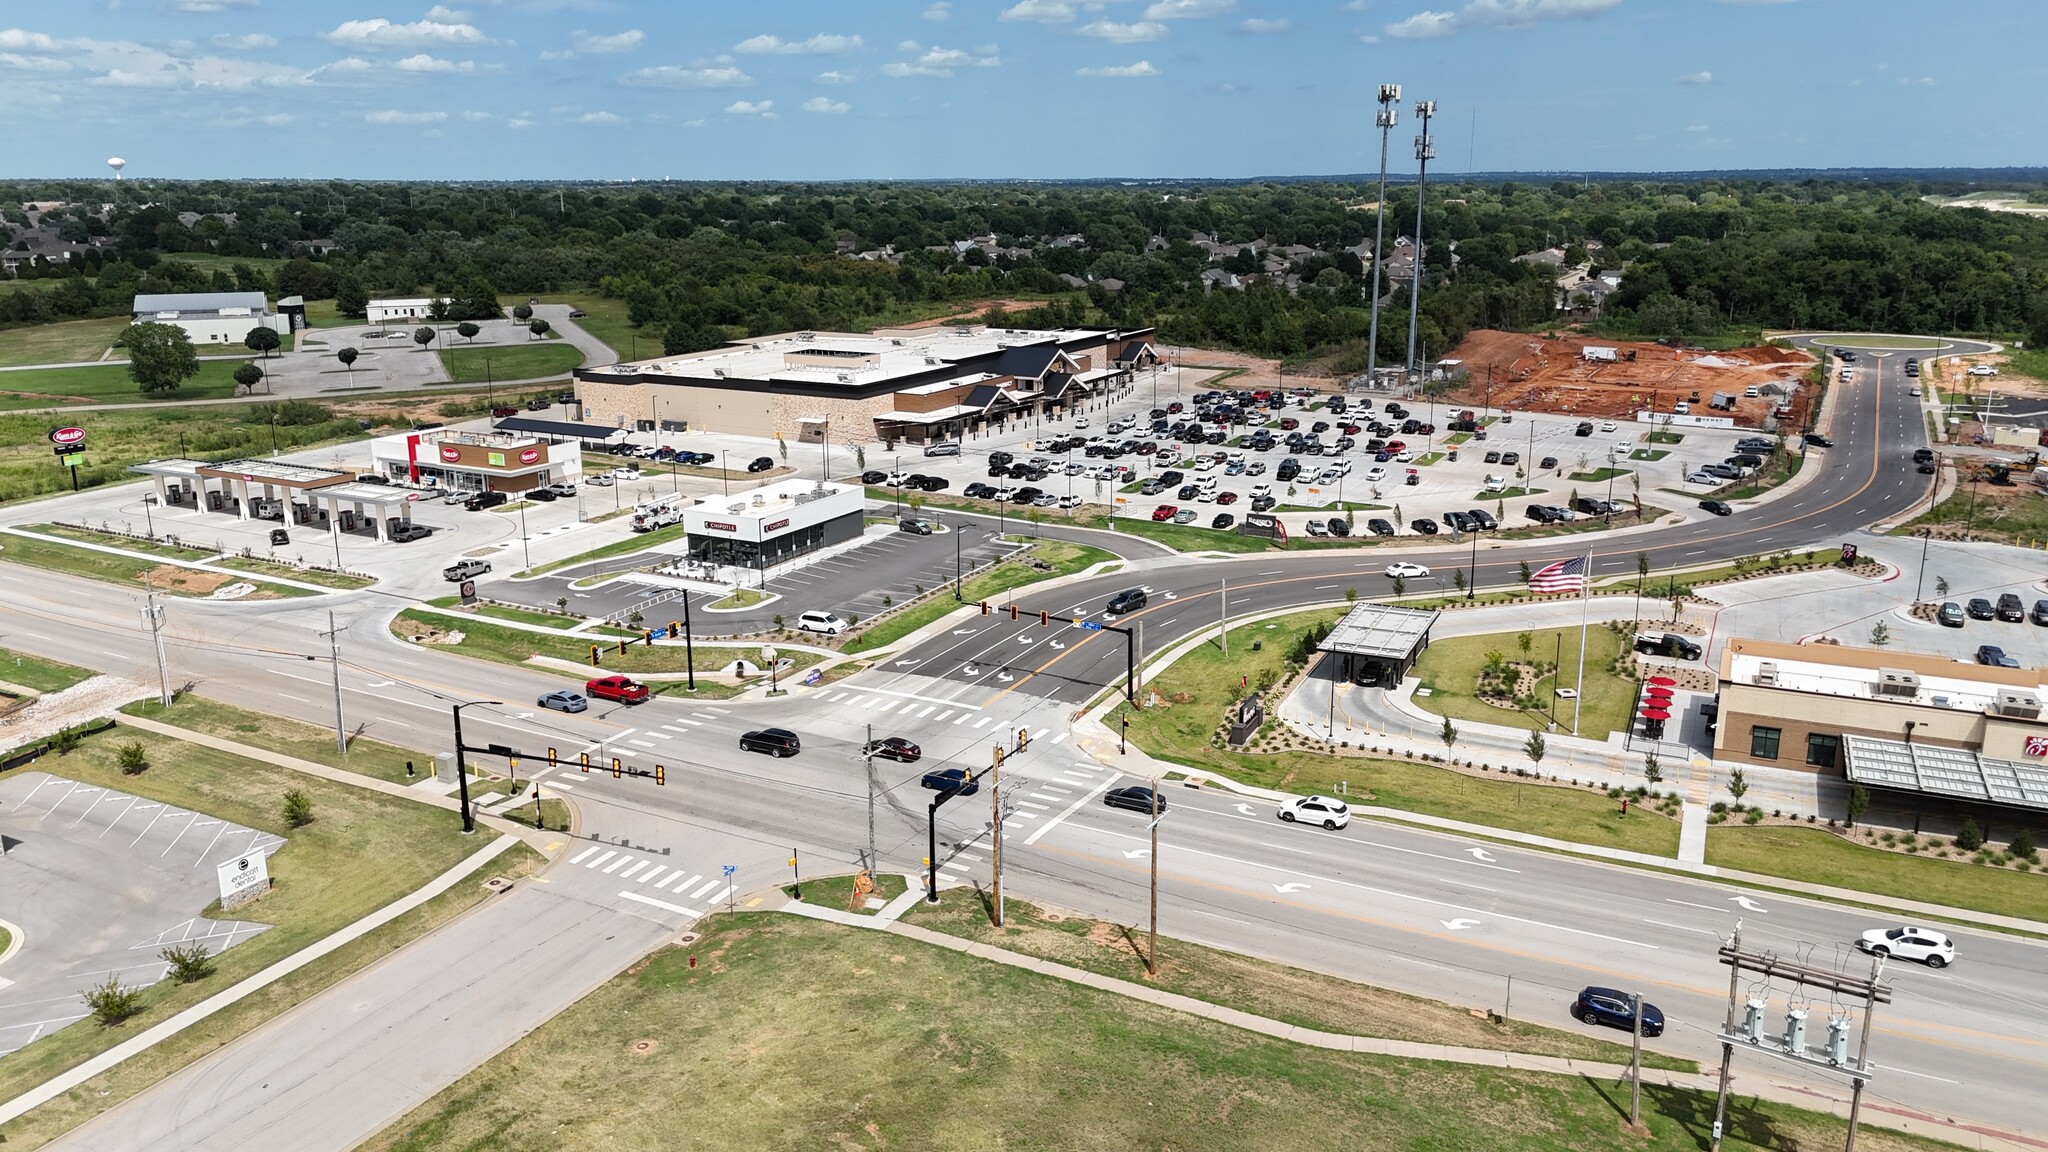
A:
{"points": [[1045, 89]]}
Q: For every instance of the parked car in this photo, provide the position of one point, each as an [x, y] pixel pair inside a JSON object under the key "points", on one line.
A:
{"points": [[950, 780], [1950, 615], [1222, 521], [760, 464], [1815, 440], [1423, 525], [624, 689], [1129, 600], [1547, 463], [829, 623], [1980, 609], [943, 448], [893, 748], [915, 527], [777, 742], [401, 533], [1991, 655], [465, 570], [1330, 813], [1379, 527], [1340, 526], [563, 701], [1932, 948], [482, 500], [1136, 798], [1185, 516], [1668, 644], [541, 495], [2040, 613], [1317, 528], [1164, 512], [1615, 1009], [2010, 609], [1717, 507]]}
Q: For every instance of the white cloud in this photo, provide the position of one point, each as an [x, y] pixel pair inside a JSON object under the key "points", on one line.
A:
{"points": [[1141, 68], [909, 46], [1260, 27], [398, 116], [425, 63], [675, 76], [601, 118], [518, 122], [1139, 32], [937, 61], [21, 63], [17, 40], [1697, 78], [835, 76], [448, 15], [829, 107], [823, 44], [697, 123], [272, 120], [1189, 9], [343, 66], [1477, 14], [1039, 12], [943, 10], [1367, 38], [251, 41], [380, 33], [1696, 128], [582, 43], [207, 7], [1355, 5], [764, 110]]}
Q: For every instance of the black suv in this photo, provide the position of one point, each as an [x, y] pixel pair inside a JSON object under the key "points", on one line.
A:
{"points": [[777, 742], [2010, 609], [1615, 1009], [1129, 600], [483, 500], [1667, 644]]}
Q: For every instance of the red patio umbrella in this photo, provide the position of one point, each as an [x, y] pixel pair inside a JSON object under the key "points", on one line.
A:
{"points": [[1655, 714], [1662, 681], [1657, 692]]}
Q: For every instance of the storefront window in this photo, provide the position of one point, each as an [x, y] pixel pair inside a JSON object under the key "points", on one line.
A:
{"points": [[1820, 750], [1763, 742]]}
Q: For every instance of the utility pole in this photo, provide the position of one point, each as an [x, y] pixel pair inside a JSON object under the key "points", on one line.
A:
{"points": [[1425, 150], [1152, 935], [155, 616], [1390, 95], [333, 635], [867, 753], [1223, 624], [1635, 1062], [995, 815]]}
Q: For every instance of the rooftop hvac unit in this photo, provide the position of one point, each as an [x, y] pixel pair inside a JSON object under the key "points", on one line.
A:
{"points": [[844, 377], [760, 501], [1893, 682], [1767, 674], [897, 342], [718, 372], [931, 359], [2018, 704]]}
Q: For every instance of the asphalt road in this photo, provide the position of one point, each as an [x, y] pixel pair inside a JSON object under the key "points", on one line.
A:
{"points": [[1416, 910]]}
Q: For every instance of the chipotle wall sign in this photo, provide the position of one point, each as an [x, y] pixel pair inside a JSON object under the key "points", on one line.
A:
{"points": [[720, 526]]}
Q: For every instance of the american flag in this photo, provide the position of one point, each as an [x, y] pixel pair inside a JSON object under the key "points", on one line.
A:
{"points": [[1563, 576]]}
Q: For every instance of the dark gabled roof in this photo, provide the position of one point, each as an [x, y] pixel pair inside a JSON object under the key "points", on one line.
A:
{"points": [[564, 429], [1135, 350], [1026, 363]]}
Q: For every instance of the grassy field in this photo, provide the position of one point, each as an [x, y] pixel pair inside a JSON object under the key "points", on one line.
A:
{"points": [[107, 384], [511, 362], [63, 342], [1180, 733], [1990, 512], [260, 567], [837, 892], [512, 612], [361, 851], [1820, 857], [517, 646], [637, 542], [38, 673], [606, 320], [169, 579], [153, 547], [287, 736], [797, 1034], [740, 598], [1066, 558], [1451, 667], [1260, 987]]}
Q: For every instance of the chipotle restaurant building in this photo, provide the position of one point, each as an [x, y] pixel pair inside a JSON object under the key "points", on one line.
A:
{"points": [[467, 461], [765, 526]]}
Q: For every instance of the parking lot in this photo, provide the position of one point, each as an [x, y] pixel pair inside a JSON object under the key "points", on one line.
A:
{"points": [[115, 879]]}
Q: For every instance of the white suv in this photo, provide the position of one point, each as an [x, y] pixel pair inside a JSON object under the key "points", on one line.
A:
{"points": [[1923, 944], [1324, 810], [830, 623]]}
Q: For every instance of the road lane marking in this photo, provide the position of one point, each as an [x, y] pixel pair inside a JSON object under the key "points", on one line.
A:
{"points": [[1682, 927], [1049, 825], [677, 908]]}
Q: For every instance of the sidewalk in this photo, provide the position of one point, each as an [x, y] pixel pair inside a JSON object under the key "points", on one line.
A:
{"points": [[1746, 1083]]}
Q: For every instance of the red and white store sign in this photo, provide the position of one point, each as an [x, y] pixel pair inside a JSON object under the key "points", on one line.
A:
{"points": [[451, 453], [2037, 746], [529, 456], [720, 526]]}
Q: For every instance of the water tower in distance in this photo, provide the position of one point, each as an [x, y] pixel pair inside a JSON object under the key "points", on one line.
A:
{"points": [[116, 163]]}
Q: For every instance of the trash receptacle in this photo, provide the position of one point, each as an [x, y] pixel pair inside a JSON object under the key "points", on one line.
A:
{"points": [[279, 536]]}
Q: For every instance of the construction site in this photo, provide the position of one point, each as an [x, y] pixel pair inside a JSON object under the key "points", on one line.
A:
{"points": [[1570, 373]]}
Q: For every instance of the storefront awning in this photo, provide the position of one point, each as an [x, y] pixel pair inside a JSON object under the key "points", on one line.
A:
{"points": [[1956, 773]]}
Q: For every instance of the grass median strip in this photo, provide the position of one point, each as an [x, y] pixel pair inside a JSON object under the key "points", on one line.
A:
{"points": [[1064, 558], [361, 851], [162, 548], [866, 1040], [1819, 857], [168, 577], [343, 581], [486, 641], [1450, 670], [1260, 987], [285, 736], [1195, 691], [42, 675]]}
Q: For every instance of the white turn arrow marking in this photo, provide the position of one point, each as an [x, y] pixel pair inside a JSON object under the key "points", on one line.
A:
{"points": [[1172, 596], [1057, 645], [1747, 904], [1246, 809], [901, 663], [381, 684], [1481, 855], [1005, 677], [1024, 639], [522, 715], [1134, 853], [1460, 924], [964, 631], [1290, 887], [971, 670]]}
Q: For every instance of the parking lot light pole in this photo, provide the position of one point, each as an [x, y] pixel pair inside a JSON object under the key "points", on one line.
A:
{"points": [[461, 768], [957, 530]]}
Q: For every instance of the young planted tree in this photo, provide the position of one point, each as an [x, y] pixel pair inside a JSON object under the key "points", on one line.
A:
{"points": [[247, 376], [1880, 635], [347, 356], [1738, 785], [1448, 734], [1859, 803], [190, 963], [1535, 747], [467, 330], [160, 356], [1941, 586], [1652, 772], [134, 761], [298, 808], [538, 327], [263, 341], [423, 336], [112, 1002]]}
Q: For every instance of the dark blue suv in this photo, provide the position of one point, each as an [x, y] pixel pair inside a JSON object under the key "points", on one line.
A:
{"points": [[1612, 1008]]}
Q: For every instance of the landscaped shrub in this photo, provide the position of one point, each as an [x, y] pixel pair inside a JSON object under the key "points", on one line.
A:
{"points": [[1969, 839]]}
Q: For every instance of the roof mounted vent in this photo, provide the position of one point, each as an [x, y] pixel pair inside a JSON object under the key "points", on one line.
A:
{"points": [[1767, 674], [2017, 703], [1897, 683]]}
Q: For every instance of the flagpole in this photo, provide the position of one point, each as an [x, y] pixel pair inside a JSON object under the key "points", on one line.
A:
{"points": [[1585, 601]]}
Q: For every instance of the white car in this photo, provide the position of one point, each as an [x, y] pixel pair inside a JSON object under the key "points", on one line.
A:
{"points": [[1923, 944], [1205, 464], [1073, 469], [1404, 570], [624, 473], [1707, 478], [1259, 490], [1406, 456], [1081, 422], [601, 480], [1330, 813], [1070, 501], [1003, 495], [1983, 370], [1496, 483], [896, 479], [1607, 425], [1375, 474]]}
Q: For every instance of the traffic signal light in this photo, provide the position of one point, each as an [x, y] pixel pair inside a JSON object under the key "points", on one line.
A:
{"points": [[552, 759], [617, 768], [1015, 612], [647, 639], [660, 775], [1023, 739], [1044, 618], [622, 645], [675, 629], [585, 757], [997, 761], [593, 655], [984, 608]]}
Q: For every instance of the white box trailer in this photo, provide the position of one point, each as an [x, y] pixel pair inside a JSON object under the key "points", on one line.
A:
{"points": [[1599, 354]]}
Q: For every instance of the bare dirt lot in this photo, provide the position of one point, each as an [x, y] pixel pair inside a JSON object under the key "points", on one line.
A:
{"points": [[1551, 374]]}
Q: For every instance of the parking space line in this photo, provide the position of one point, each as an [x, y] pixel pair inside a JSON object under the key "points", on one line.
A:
{"points": [[90, 788], [123, 816], [191, 821], [210, 843]]}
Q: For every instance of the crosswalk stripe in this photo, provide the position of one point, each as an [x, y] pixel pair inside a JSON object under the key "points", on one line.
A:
{"points": [[720, 711], [885, 705], [1025, 815], [663, 904], [942, 716], [614, 865], [963, 718], [1030, 805], [640, 867], [578, 858], [928, 710], [676, 883], [600, 859], [675, 728], [836, 697], [861, 702], [1060, 737], [708, 886], [704, 715], [661, 735], [984, 722], [658, 870], [639, 743], [1040, 734]]}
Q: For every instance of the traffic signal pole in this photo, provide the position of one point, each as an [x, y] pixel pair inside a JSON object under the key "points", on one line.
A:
{"points": [[995, 815]]}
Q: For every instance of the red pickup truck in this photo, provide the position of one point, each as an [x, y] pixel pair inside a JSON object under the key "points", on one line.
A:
{"points": [[624, 689]]}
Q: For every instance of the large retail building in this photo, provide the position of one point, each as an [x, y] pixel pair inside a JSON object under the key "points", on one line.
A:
{"points": [[910, 386]]}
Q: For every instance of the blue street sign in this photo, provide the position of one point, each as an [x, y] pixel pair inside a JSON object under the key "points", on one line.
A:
{"points": [[1091, 626]]}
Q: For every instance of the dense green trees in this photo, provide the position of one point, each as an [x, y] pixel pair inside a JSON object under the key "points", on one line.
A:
{"points": [[160, 356]]}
